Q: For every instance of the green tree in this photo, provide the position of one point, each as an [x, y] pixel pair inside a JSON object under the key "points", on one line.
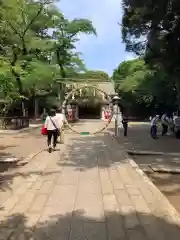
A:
{"points": [[94, 75], [152, 29], [143, 90], [19, 19], [37, 45], [8, 91], [66, 35]]}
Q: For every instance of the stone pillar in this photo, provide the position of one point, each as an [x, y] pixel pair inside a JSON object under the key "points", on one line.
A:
{"points": [[102, 112], [76, 112]]}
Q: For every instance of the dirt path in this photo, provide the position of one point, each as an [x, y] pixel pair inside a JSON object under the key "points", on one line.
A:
{"points": [[169, 185], [20, 145]]}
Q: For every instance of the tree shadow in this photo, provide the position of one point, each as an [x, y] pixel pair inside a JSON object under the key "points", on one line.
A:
{"points": [[169, 182], [139, 139], [169, 185], [5, 155], [7, 160], [164, 172], [158, 163], [3, 147], [6, 166], [78, 226], [86, 152], [6, 180]]}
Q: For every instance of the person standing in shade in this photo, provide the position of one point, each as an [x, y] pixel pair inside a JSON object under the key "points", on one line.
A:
{"points": [[125, 125], [176, 120], [52, 126], [153, 130], [175, 115], [165, 124]]}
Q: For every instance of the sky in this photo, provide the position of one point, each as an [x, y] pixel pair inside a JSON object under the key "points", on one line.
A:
{"points": [[106, 50]]}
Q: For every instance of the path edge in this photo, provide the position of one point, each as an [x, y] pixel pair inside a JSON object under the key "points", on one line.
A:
{"points": [[174, 213], [12, 132], [32, 156]]}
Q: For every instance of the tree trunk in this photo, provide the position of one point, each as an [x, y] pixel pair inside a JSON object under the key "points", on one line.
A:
{"points": [[36, 107], [63, 75], [18, 80], [178, 93], [61, 85], [20, 90]]}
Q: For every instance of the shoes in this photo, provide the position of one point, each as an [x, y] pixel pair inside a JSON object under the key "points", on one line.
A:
{"points": [[54, 148], [49, 149]]}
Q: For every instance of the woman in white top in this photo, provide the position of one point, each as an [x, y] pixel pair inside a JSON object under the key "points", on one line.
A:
{"points": [[52, 126], [154, 122]]}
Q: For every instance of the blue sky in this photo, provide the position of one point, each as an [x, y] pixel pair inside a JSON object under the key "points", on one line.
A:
{"points": [[105, 51]]}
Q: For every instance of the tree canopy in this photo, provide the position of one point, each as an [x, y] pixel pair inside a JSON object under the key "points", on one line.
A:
{"points": [[151, 29], [37, 46], [143, 91]]}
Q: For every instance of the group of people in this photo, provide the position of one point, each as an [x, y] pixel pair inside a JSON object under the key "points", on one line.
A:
{"points": [[53, 123], [168, 122]]}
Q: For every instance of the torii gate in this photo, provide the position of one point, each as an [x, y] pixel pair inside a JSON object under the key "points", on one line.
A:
{"points": [[105, 88]]}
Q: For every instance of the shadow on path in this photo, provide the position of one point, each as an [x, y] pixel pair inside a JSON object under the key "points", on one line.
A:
{"points": [[76, 226], [139, 139], [86, 152]]}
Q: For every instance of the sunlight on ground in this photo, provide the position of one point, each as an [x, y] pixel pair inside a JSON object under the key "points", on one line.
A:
{"points": [[138, 123]]}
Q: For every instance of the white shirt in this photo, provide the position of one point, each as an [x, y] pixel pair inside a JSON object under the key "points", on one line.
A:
{"points": [[60, 119], [164, 119], [154, 121], [49, 125], [174, 118]]}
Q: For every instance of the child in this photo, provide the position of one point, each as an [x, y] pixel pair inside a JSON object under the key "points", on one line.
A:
{"points": [[154, 122]]}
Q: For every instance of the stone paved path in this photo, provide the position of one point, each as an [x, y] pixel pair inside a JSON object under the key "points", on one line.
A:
{"points": [[86, 191]]}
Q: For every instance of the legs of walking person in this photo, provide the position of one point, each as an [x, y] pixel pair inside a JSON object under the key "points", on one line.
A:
{"points": [[154, 132], [55, 137], [49, 137], [164, 129], [177, 133], [125, 129], [151, 131]]}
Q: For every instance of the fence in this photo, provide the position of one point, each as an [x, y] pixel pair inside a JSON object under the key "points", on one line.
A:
{"points": [[14, 123]]}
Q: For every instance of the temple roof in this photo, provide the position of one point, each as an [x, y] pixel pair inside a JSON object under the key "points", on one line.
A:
{"points": [[107, 87]]}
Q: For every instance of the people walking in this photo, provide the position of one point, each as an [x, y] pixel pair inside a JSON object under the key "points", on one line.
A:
{"points": [[60, 119], [154, 123], [165, 124], [52, 126], [177, 125]]}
